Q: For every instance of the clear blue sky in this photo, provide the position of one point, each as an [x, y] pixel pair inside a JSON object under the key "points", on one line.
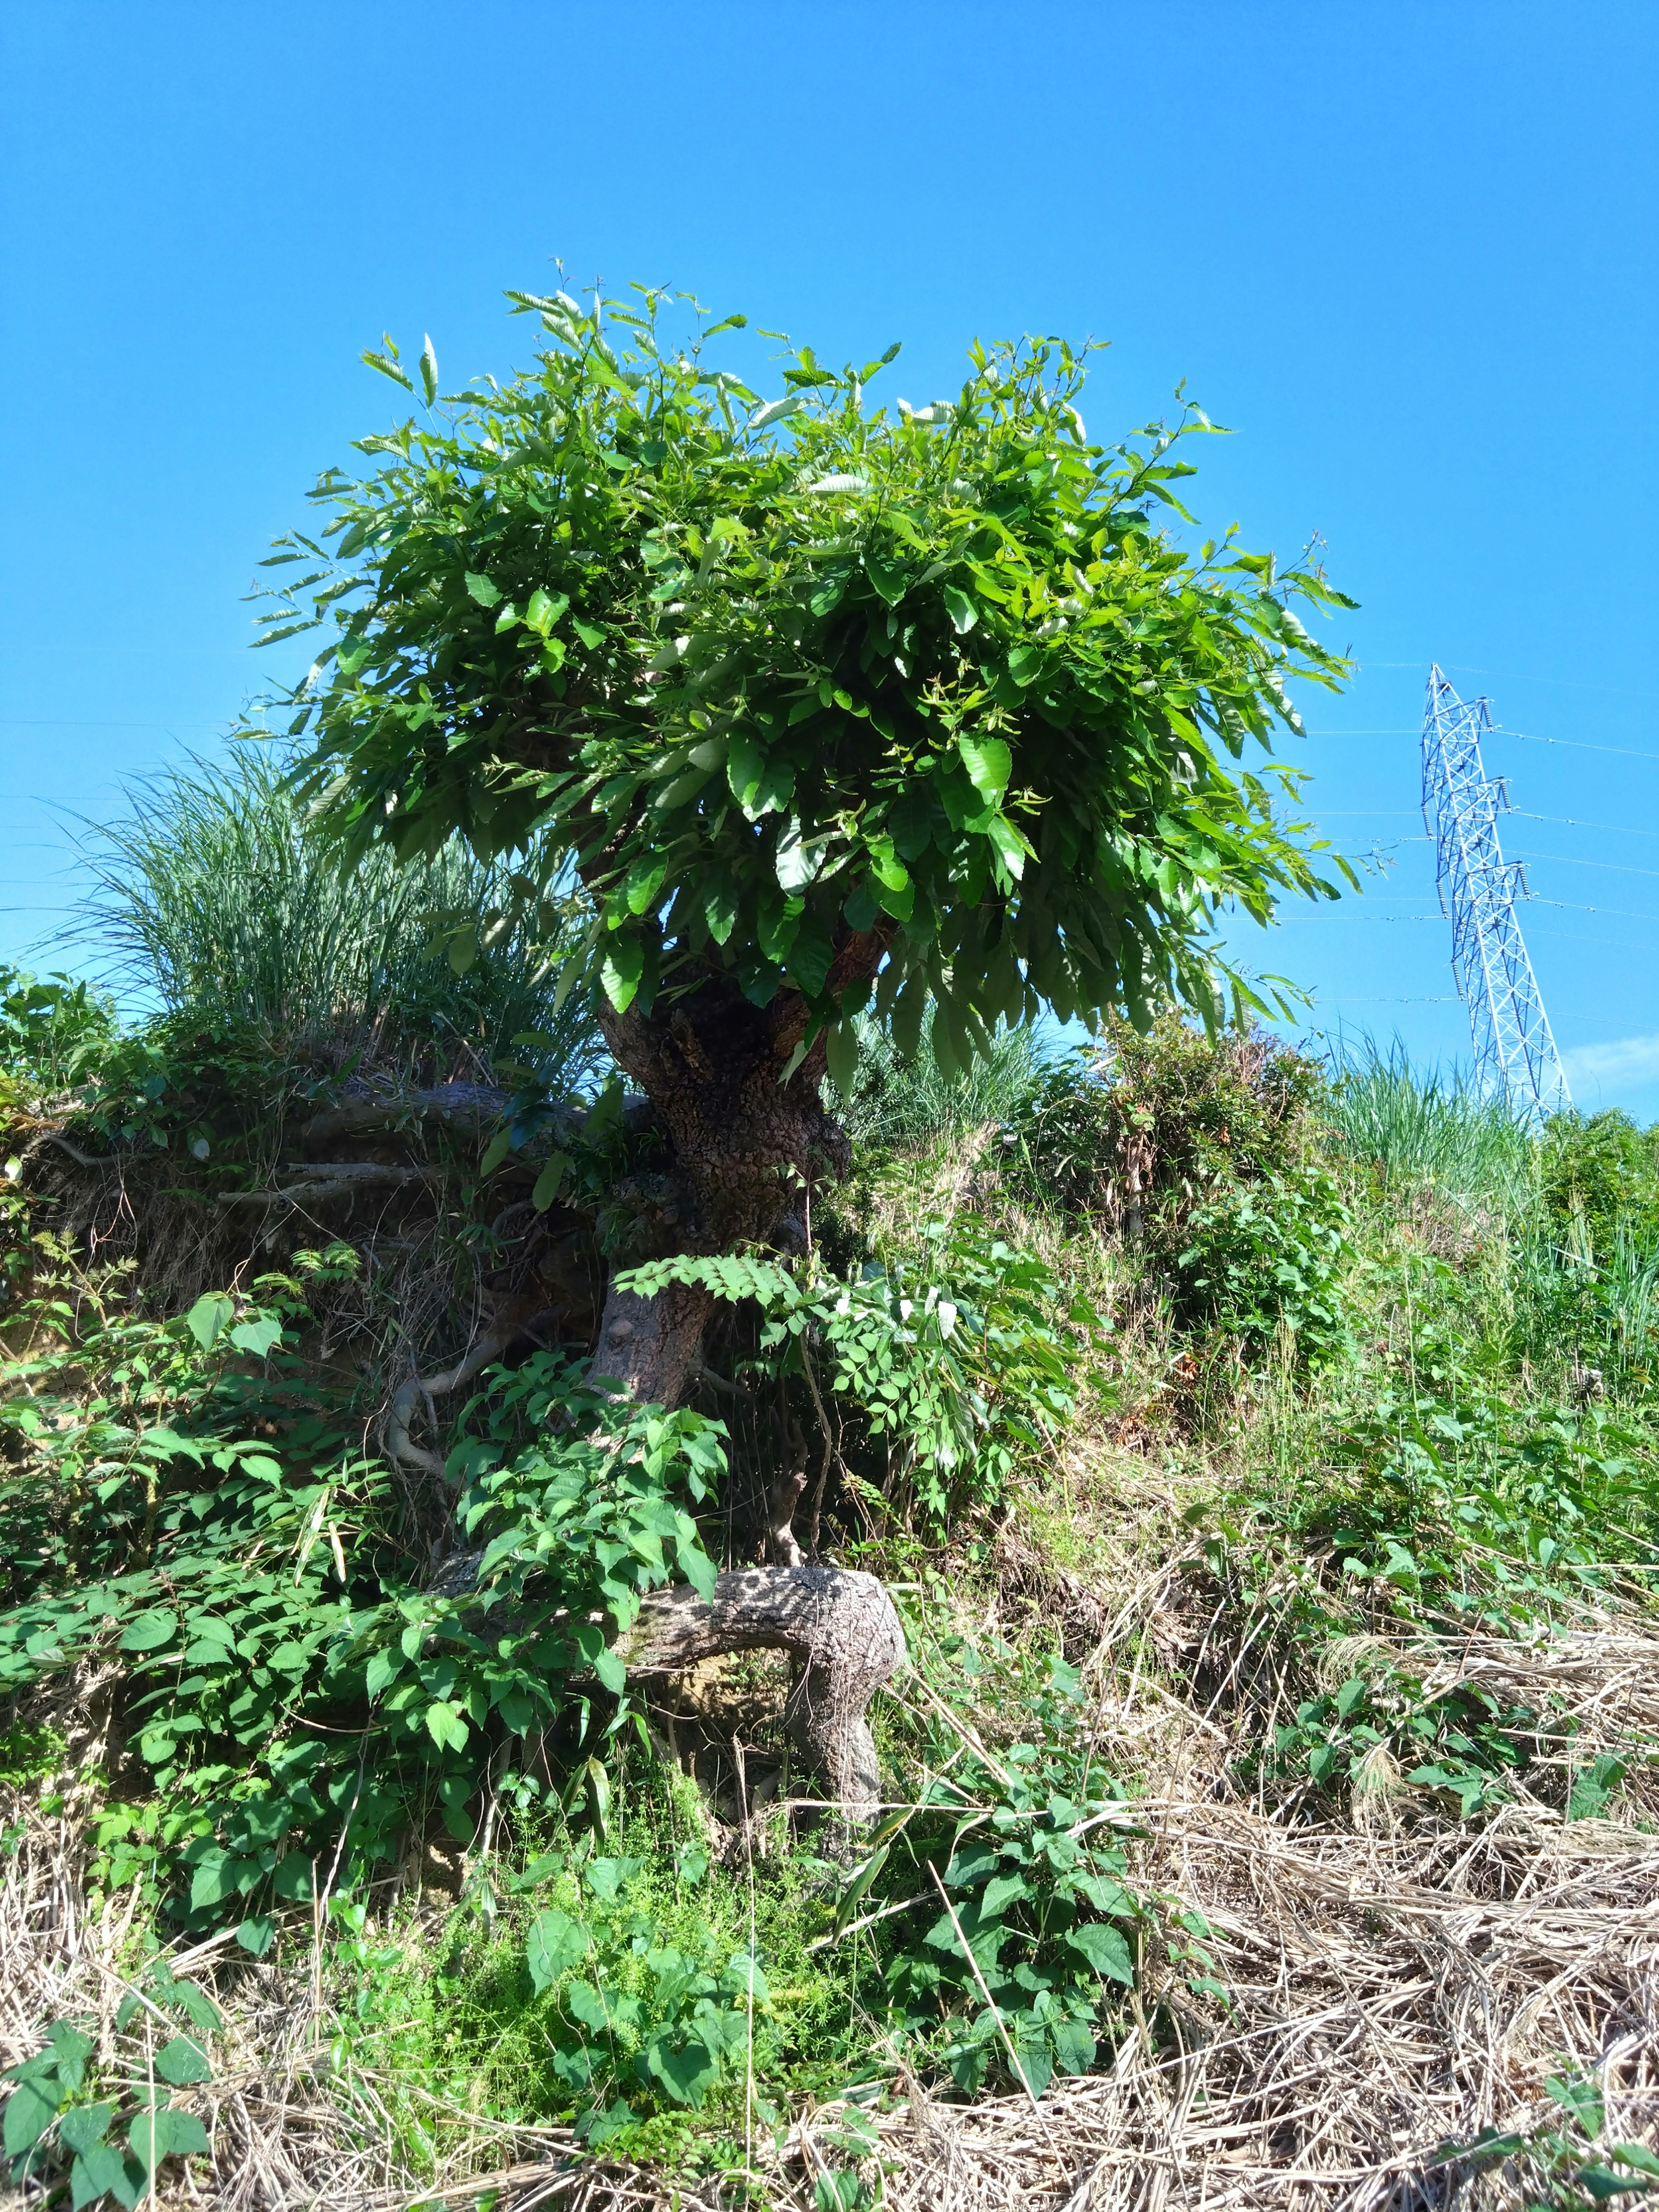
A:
{"points": [[1406, 251]]}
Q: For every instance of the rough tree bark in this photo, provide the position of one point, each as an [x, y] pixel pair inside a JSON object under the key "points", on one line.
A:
{"points": [[838, 1626], [742, 1142], [745, 1147]]}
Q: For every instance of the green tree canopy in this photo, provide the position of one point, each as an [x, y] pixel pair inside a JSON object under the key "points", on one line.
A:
{"points": [[781, 677]]}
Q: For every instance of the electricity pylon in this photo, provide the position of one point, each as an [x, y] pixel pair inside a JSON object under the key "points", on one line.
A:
{"points": [[1514, 1052]]}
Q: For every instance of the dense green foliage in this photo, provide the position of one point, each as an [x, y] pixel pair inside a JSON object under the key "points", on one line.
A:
{"points": [[1362, 1328], [774, 673]]}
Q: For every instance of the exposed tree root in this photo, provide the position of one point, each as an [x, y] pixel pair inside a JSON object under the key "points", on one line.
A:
{"points": [[839, 1626]]}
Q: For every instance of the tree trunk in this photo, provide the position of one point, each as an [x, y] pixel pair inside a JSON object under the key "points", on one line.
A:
{"points": [[841, 1628], [746, 1146]]}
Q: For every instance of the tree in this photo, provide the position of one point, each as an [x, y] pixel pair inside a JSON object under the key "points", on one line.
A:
{"points": [[826, 704]]}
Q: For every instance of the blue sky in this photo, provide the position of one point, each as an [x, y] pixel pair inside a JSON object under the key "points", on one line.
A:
{"points": [[1406, 252]]}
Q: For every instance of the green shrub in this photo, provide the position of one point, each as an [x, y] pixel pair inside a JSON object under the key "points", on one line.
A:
{"points": [[1600, 1178], [50, 1032]]}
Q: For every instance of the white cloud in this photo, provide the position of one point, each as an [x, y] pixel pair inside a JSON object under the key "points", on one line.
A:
{"points": [[1626, 1060]]}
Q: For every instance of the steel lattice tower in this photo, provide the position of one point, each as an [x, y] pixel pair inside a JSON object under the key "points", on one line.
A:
{"points": [[1515, 1050]]}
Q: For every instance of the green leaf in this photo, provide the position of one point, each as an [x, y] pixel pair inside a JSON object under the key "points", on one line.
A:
{"points": [[208, 1316], [257, 1932], [29, 2112], [182, 2062], [961, 609], [429, 371], [841, 1049], [889, 580], [745, 763], [165, 2133], [444, 1725], [383, 1669], [150, 1630], [71, 2051], [720, 909], [643, 881], [218, 1875], [588, 2005], [295, 1878], [544, 610], [258, 1337], [1075, 2046], [989, 763], [1106, 1951], [550, 1183], [387, 368], [86, 2125], [100, 2171], [483, 590], [686, 2070], [622, 969], [555, 1943], [495, 1152]]}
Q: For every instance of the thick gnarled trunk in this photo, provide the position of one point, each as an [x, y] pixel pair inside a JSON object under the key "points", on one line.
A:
{"points": [[840, 1627], [746, 1143]]}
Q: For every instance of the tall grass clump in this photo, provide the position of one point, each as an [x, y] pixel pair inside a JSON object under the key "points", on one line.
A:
{"points": [[215, 897], [1430, 1127], [905, 1105]]}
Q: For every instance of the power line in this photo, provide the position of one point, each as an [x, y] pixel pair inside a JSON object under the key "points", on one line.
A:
{"points": [[1568, 860]]}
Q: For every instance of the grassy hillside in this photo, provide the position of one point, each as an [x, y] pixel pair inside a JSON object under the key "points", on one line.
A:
{"points": [[1262, 1457]]}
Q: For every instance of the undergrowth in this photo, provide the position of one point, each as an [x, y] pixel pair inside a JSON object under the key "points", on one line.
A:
{"points": [[1352, 1364]]}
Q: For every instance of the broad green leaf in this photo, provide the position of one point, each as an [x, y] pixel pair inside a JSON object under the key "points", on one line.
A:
{"points": [[643, 881], [208, 1316], [387, 368], [84, 2126], [989, 763], [889, 579], [745, 763], [555, 1943], [183, 2061], [383, 1669], [1106, 1951], [495, 1151], [961, 609], [102, 2171], [255, 1934], [841, 1046], [30, 2111], [588, 2005], [544, 610], [483, 590], [429, 371], [622, 969], [719, 910], [150, 1630], [258, 1336], [775, 409], [685, 2068], [71, 2051], [446, 1724], [295, 1878]]}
